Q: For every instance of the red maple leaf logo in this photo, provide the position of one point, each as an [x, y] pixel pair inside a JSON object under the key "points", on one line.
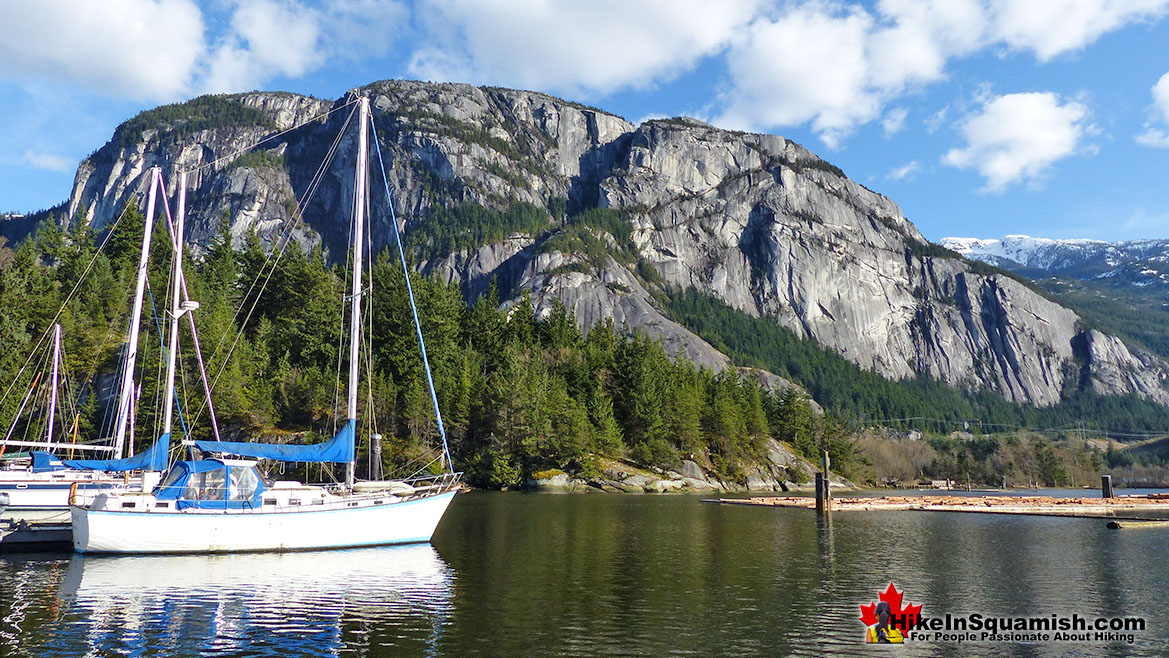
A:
{"points": [[893, 598]]}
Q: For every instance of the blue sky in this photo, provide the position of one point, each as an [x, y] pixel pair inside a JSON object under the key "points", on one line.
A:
{"points": [[980, 117]]}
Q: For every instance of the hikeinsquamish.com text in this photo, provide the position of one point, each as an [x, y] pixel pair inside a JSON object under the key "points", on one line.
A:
{"points": [[977, 627]]}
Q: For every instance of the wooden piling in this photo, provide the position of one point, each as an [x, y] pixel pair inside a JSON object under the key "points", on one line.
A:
{"points": [[823, 486], [376, 449], [1106, 486]]}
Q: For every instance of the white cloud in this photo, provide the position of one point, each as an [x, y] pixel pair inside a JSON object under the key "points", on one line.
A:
{"points": [[915, 39], [1161, 97], [267, 38], [355, 29], [836, 65], [906, 171], [159, 50], [1153, 135], [1052, 27], [1017, 137], [565, 45], [270, 38], [808, 65], [894, 121], [1154, 138], [50, 162], [142, 49]]}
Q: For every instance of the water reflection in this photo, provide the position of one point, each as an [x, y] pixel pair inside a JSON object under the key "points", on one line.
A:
{"points": [[605, 575], [379, 601], [670, 576]]}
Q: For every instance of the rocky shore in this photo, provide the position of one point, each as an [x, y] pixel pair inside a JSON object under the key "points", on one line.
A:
{"points": [[781, 470]]}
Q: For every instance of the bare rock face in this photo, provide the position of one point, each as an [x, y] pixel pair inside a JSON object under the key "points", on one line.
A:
{"points": [[775, 232], [1113, 370], [209, 149], [754, 220]]}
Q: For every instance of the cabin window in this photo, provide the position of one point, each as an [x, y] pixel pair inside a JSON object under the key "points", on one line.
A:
{"points": [[162, 505], [171, 477], [128, 505], [244, 483], [270, 502], [207, 485]]}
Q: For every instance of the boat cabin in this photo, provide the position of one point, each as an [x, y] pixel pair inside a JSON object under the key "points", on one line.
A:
{"points": [[212, 484]]}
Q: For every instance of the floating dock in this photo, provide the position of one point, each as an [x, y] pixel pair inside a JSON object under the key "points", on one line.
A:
{"points": [[990, 504], [22, 536]]}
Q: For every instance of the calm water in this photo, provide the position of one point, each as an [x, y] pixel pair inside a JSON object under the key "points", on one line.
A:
{"points": [[592, 575]]}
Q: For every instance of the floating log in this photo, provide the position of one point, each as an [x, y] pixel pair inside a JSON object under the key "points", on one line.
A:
{"points": [[1130, 524]]}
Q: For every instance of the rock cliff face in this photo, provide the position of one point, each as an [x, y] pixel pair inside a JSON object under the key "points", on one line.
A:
{"points": [[756, 220]]}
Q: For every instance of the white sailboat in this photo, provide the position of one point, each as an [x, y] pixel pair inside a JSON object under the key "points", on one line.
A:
{"points": [[224, 504], [38, 489]]}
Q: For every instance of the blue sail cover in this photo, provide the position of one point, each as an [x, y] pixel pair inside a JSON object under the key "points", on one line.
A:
{"points": [[43, 461], [340, 448], [152, 459]]}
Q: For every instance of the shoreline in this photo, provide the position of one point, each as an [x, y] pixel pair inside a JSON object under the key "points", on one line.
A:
{"points": [[1037, 505]]}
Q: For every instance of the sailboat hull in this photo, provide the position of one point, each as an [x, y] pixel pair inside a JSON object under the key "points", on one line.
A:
{"points": [[44, 496], [232, 531]]}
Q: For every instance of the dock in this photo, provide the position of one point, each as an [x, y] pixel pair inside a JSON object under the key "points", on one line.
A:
{"points": [[990, 504], [24, 536]]}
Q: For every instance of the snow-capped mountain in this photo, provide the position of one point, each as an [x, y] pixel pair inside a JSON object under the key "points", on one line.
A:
{"points": [[1138, 262]]}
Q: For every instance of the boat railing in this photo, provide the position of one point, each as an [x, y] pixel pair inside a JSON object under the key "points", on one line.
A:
{"points": [[83, 493], [442, 481], [406, 488]]}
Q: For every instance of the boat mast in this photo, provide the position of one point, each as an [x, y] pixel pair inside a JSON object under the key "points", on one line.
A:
{"points": [[53, 390], [176, 308], [359, 185], [127, 390]]}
